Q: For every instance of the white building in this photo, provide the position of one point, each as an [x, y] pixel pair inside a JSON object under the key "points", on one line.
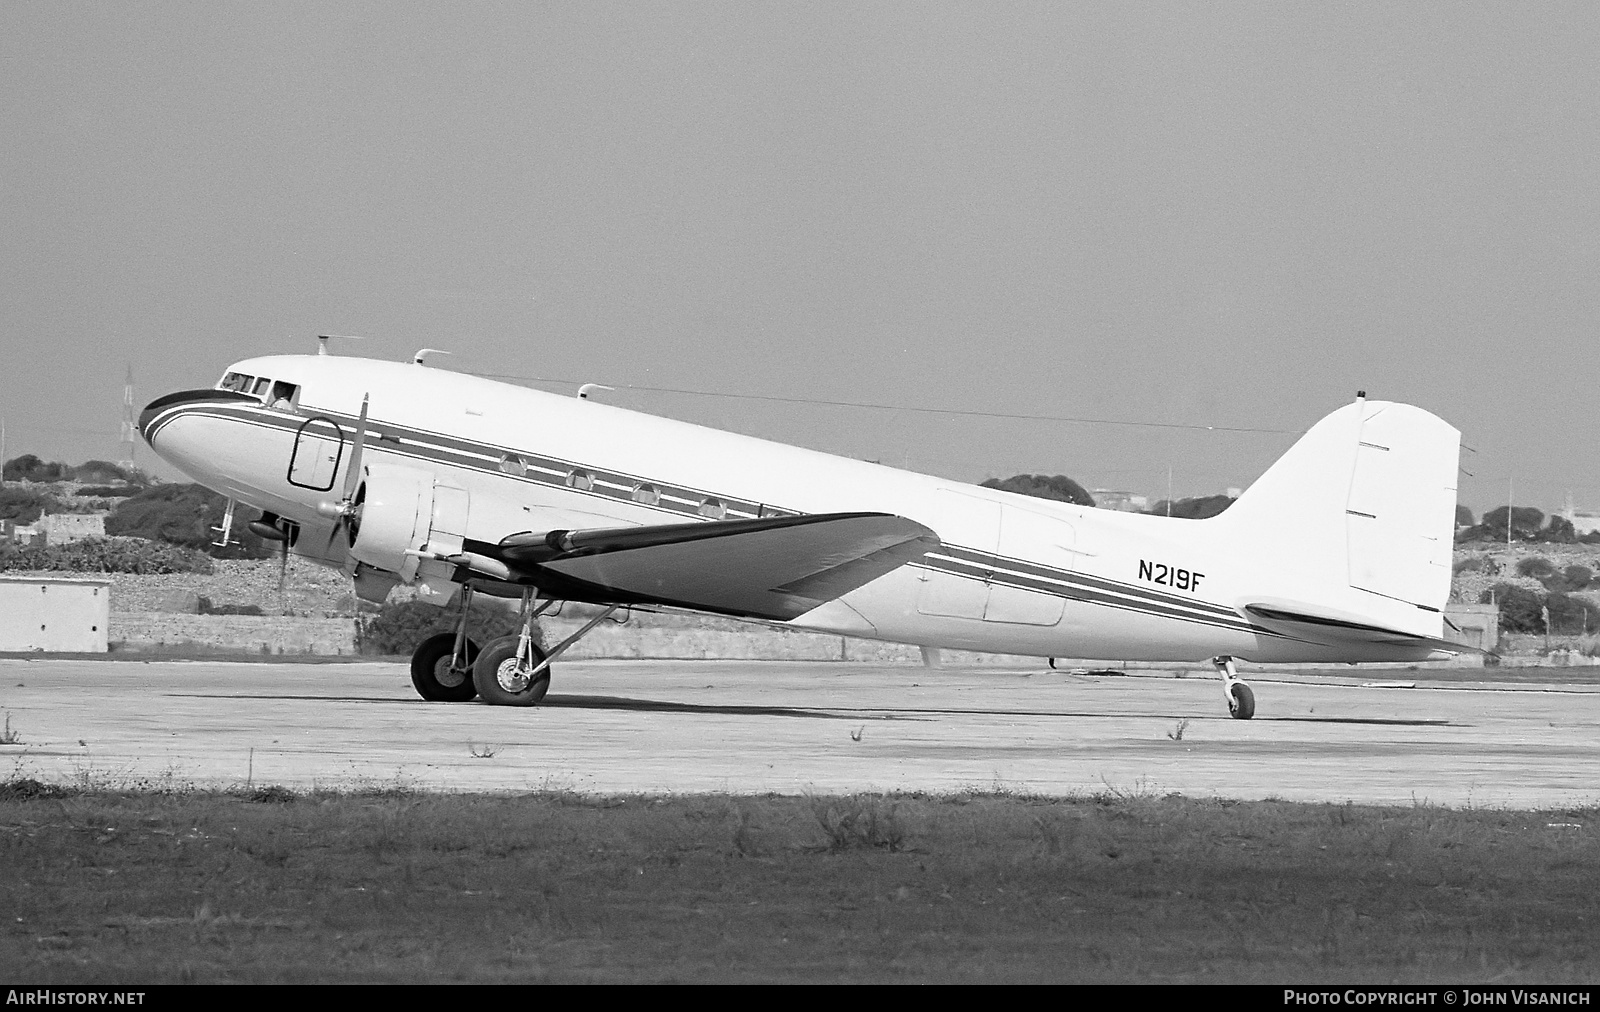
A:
{"points": [[54, 614], [64, 528], [1126, 502]]}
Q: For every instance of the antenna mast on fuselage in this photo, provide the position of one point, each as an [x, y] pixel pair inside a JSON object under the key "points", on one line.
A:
{"points": [[323, 339]]}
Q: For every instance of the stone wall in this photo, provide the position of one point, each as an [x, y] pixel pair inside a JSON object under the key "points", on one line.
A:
{"points": [[287, 635], [243, 635]]}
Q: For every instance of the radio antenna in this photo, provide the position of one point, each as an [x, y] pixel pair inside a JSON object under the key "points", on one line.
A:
{"points": [[323, 339]]}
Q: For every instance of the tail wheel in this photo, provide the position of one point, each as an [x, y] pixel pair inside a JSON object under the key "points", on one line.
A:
{"points": [[1241, 701], [434, 676], [504, 679]]}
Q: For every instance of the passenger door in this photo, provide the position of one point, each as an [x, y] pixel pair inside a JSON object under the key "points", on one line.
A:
{"points": [[314, 461]]}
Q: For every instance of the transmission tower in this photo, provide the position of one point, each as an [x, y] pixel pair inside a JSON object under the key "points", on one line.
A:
{"points": [[130, 427]]}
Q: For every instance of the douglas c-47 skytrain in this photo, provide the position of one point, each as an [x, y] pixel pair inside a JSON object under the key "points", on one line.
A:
{"points": [[404, 474]]}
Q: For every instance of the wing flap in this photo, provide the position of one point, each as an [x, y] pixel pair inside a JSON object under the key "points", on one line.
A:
{"points": [[774, 567]]}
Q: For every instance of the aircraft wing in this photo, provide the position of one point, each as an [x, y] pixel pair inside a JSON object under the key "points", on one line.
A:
{"points": [[773, 567]]}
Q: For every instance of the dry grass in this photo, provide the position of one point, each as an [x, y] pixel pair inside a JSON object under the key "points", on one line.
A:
{"points": [[268, 885]]}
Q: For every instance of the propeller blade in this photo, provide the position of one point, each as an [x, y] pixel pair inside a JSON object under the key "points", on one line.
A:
{"points": [[283, 563], [338, 528], [352, 476]]}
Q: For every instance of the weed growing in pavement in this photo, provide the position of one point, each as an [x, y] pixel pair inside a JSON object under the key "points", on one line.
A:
{"points": [[1177, 733], [9, 736]]}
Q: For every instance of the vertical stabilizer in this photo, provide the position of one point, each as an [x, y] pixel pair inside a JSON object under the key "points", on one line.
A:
{"points": [[1364, 501]]}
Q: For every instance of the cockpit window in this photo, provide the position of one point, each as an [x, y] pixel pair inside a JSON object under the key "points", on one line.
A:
{"points": [[237, 382], [283, 395], [261, 387]]}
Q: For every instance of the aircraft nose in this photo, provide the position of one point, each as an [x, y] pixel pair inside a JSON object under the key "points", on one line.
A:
{"points": [[158, 412], [145, 418]]}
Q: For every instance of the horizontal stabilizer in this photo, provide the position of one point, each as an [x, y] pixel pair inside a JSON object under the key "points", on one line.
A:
{"points": [[1334, 629], [773, 567]]}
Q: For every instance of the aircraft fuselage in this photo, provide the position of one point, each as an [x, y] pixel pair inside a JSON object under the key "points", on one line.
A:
{"points": [[1014, 574]]}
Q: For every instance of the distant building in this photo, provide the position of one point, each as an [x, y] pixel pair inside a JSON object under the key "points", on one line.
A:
{"points": [[1473, 625], [65, 528], [1126, 502], [1583, 521], [26, 535]]}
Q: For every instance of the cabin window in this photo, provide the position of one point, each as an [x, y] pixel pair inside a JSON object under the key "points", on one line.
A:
{"points": [[713, 508], [581, 480], [238, 382], [646, 493], [510, 463], [284, 395]]}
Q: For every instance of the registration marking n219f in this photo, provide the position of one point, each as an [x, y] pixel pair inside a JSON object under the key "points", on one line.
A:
{"points": [[1169, 576]]}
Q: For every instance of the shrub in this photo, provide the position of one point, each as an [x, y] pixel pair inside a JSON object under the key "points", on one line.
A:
{"points": [[184, 515], [1537, 567], [30, 468], [207, 608], [24, 505], [1197, 508], [860, 820], [1059, 487], [398, 627], [1520, 608], [1463, 516], [1558, 581], [100, 471], [1572, 614], [106, 555], [1559, 530], [109, 491], [1525, 523]]}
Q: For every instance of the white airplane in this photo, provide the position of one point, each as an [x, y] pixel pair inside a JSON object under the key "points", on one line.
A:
{"points": [[405, 474]]}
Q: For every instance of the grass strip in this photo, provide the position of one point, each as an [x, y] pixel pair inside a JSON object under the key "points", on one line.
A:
{"points": [[389, 886]]}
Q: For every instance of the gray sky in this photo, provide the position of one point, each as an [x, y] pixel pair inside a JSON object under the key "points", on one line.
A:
{"points": [[1208, 214]]}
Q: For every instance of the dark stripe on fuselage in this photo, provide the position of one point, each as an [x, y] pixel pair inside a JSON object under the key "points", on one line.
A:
{"points": [[420, 444], [1061, 587], [953, 560], [1027, 568]]}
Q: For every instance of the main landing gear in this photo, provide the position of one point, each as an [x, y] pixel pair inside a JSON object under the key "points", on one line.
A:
{"points": [[509, 671], [441, 666], [1241, 701], [513, 671]]}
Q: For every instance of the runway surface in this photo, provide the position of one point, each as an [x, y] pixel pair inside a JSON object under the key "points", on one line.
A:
{"points": [[755, 727]]}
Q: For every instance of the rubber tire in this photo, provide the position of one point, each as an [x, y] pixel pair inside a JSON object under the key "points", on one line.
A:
{"points": [[1243, 706], [485, 672], [432, 655]]}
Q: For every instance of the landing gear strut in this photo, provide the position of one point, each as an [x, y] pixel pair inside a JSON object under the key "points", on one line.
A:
{"points": [[513, 670], [441, 666], [1241, 701]]}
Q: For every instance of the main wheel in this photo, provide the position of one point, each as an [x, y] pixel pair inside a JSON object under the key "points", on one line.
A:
{"points": [[1241, 702], [502, 681], [433, 675]]}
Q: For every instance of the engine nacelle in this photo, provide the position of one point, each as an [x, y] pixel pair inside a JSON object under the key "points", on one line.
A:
{"points": [[395, 510]]}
